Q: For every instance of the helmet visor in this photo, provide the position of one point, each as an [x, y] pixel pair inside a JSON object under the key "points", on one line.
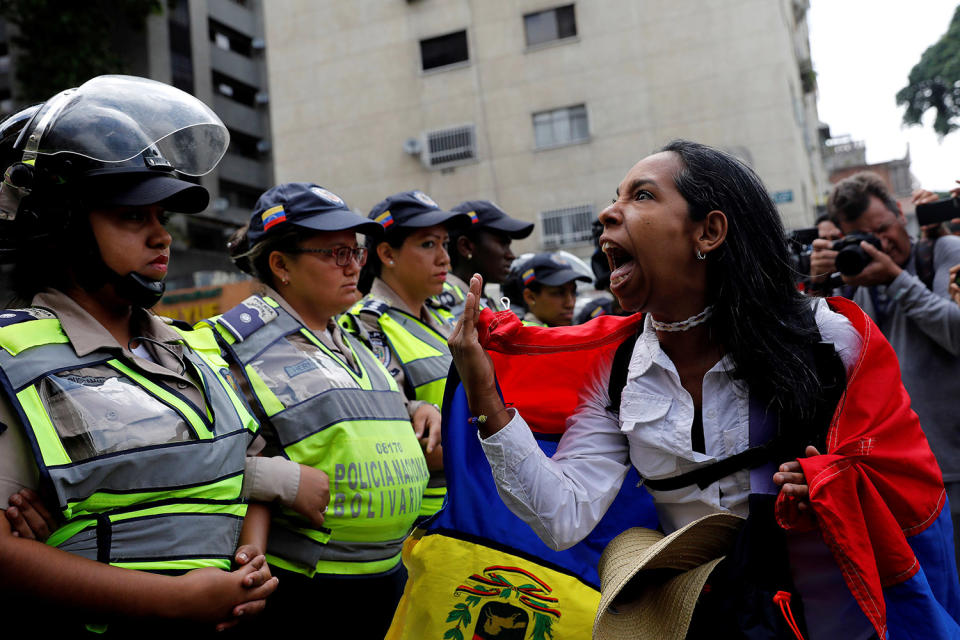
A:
{"points": [[114, 119]]}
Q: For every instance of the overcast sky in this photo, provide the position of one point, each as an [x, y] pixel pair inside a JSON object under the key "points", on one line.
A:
{"points": [[863, 51]]}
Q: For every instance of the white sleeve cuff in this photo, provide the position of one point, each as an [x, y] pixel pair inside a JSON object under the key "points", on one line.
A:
{"points": [[510, 446]]}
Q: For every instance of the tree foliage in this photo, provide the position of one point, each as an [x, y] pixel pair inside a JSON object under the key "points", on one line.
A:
{"points": [[934, 83], [62, 43]]}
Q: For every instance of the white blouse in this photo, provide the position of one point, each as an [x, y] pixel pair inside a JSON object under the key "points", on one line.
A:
{"points": [[562, 498]]}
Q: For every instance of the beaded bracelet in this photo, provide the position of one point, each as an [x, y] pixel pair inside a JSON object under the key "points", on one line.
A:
{"points": [[482, 419]]}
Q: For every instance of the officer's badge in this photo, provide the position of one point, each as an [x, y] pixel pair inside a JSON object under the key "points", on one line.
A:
{"points": [[327, 195], [380, 348], [425, 199]]}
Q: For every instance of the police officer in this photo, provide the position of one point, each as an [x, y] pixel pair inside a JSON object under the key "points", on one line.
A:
{"points": [[407, 331], [546, 285], [326, 402], [484, 248], [125, 421]]}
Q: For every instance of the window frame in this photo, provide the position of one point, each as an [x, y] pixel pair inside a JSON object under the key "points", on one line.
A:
{"points": [[450, 65], [554, 113], [468, 128], [560, 39], [567, 237]]}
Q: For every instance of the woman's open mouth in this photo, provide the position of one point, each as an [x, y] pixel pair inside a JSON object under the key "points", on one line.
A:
{"points": [[621, 263]]}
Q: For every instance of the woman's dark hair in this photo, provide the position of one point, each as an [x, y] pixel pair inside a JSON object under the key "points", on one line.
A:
{"points": [[36, 269], [395, 237], [759, 317], [255, 260]]}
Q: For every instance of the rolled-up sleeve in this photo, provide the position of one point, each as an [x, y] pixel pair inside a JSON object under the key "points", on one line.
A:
{"points": [[561, 498]]}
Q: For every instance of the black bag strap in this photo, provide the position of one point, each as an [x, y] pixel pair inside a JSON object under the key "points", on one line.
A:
{"points": [[791, 438], [618, 372]]}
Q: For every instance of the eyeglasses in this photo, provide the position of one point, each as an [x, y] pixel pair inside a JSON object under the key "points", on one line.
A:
{"points": [[342, 254]]}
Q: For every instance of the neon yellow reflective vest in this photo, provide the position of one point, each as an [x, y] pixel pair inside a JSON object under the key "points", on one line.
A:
{"points": [[353, 426], [423, 353], [154, 507], [453, 298], [425, 360]]}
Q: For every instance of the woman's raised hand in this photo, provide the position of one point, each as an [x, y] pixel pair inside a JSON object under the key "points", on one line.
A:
{"points": [[475, 365]]}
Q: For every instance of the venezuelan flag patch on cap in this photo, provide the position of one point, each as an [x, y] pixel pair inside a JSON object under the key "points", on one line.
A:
{"points": [[528, 276], [385, 219], [273, 216], [473, 217]]}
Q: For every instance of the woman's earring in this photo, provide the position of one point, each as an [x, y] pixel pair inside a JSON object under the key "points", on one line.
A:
{"points": [[390, 263], [285, 281], [700, 255]]}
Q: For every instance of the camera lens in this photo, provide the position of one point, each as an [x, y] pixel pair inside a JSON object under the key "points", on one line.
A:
{"points": [[851, 260]]}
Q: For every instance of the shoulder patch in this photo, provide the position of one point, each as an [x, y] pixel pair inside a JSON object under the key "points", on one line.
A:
{"points": [[374, 306], [16, 316], [444, 300], [380, 348], [247, 317]]}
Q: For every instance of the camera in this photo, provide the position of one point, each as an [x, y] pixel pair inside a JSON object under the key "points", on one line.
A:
{"points": [[799, 249], [851, 258]]}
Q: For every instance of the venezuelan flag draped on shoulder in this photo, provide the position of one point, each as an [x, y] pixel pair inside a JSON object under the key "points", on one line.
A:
{"points": [[478, 572], [879, 500]]}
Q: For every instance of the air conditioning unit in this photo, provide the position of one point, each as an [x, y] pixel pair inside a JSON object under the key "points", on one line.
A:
{"points": [[449, 147]]}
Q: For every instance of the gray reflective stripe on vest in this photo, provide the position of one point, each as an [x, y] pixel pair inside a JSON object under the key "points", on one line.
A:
{"points": [[160, 537], [426, 370], [220, 402], [177, 465], [39, 361], [335, 406], [292, 546], [285, 324], [423, 370]]}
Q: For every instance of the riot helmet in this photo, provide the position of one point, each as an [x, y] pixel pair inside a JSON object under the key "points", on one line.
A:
{"points": [[113, 141]]}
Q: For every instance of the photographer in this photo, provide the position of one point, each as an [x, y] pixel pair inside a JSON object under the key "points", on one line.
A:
{"points": [[907, 296], [822, 261]]}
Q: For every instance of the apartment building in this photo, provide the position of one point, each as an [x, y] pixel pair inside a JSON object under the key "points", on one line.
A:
{"points": [[539, 105]]}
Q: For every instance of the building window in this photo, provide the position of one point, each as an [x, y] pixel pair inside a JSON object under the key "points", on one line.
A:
{"points": [[229, 39], [448, 147], [234, 89], [558, 127], [567, 226], [245, 145], [550, 25], [181, 51], [239, 195], [442, 51]]}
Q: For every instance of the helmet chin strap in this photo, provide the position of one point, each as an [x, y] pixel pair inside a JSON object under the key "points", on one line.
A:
{"points": [[136, 289], [140, 291]]}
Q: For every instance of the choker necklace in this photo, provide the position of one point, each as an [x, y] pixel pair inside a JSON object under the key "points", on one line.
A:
{"points": [[683, 325]]}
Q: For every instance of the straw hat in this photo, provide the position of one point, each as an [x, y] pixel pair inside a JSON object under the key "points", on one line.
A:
{"points": [[677, 568]]}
